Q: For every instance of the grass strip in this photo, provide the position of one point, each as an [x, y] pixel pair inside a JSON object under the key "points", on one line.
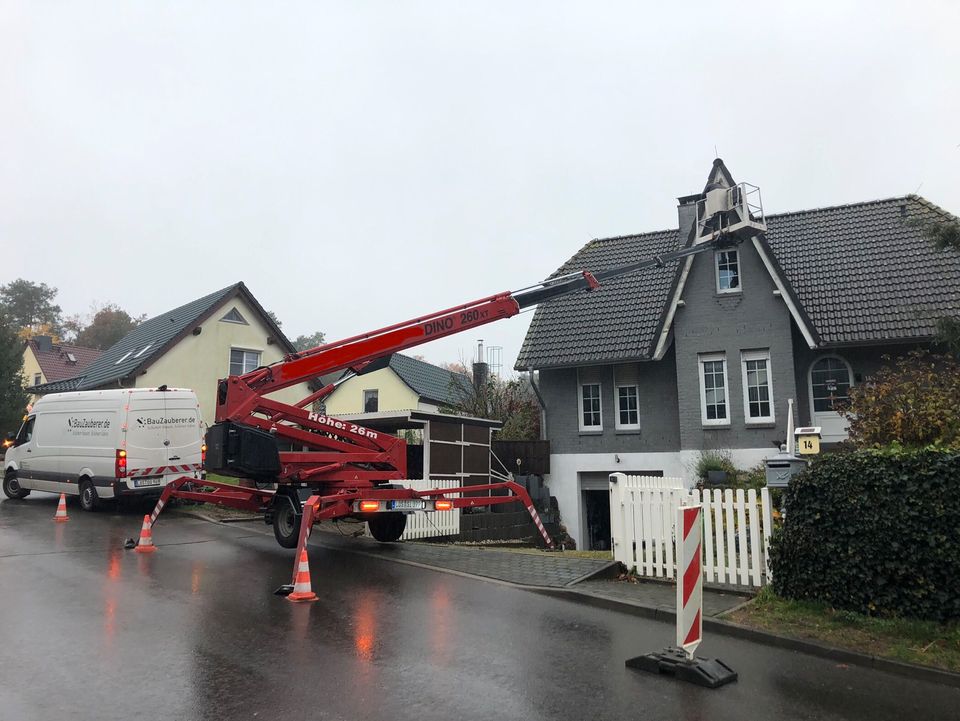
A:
{"points": [[903, 639]]}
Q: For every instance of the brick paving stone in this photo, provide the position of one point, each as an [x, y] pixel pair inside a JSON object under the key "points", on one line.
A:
{"points": [[653, 594], [546, 570]]}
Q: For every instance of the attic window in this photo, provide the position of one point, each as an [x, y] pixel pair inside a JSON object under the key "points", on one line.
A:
{"points": [[71, 358], [143, 350], [728, 271], [234, 317], [123, 357]]}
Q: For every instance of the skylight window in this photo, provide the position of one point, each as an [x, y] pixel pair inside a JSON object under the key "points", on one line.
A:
{"points": [[143, 350], [71, 358], [124, 357]]}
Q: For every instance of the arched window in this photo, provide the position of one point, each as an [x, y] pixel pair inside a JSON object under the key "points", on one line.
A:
{"points": [[830, 380]]}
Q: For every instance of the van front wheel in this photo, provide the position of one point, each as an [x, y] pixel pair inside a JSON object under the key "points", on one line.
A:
{"points": [[89, 501], [11, 486]]}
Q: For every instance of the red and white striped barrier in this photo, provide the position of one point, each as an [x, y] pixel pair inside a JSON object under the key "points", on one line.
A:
{"points": [[689, 578], [161, 470], [679, 661]]}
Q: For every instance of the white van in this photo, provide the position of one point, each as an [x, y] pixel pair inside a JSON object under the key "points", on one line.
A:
{"points": [[106, 444]]}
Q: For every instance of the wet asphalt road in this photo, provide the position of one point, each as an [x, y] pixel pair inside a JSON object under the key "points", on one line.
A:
{"points": [[89, 630]]}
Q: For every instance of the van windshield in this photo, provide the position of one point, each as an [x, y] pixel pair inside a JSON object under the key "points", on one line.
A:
{"points": [[26, 431]]}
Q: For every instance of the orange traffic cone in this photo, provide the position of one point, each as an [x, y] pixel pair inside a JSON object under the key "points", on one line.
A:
{"points": [[302, 590], [61, 514], [146, 538]]}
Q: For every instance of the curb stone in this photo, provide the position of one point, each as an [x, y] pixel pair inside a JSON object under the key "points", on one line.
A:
{"points": [[790, 643]]}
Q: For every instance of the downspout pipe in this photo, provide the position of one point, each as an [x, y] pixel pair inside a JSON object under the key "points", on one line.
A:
{"points": [[543, 404]]}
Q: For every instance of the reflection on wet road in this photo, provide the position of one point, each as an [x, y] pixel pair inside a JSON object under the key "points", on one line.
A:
{"points": [[91, 631]]}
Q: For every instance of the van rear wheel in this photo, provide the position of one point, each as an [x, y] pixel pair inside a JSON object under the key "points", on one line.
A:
{"points": [[11, 486], [89, 500]]}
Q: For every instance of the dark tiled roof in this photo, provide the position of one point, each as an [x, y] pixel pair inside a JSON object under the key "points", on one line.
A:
{"points": [[69, 384], [153, 337], [618, 321], [429, 381], [863, 273], [56, 364]]}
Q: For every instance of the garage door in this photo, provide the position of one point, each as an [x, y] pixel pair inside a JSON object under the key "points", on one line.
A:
{"points": [[600, 480]]}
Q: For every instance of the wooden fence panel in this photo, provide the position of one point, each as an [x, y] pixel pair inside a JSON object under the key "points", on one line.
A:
{"points": [[721, 559], [741, 529], [709, 566], [737, 527], [766, 511], [754, 529]]}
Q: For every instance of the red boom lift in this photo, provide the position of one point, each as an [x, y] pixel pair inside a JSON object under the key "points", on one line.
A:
{"points": [[348, 467]]}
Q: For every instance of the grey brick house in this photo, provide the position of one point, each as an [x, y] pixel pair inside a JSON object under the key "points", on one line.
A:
{"points": [[654, 367]]}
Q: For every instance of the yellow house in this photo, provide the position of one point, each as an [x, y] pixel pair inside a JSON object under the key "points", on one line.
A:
{"points": [[397, 383], [225, 333], [45, 361]]}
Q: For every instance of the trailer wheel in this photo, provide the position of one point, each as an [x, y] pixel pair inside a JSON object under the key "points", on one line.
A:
{"points": [[287, 513], [89, 500], [11, 486], [387, 527]]}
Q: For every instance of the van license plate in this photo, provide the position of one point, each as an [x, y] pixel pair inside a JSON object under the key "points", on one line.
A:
{"points": [[143, 482], [411, 505]]}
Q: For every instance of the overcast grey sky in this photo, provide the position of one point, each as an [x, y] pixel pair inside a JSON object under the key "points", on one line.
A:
{"points": [[358, 163]]}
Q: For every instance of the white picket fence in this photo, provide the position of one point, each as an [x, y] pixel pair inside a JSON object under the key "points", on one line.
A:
{"points": [[736, 529], [435, 523]]}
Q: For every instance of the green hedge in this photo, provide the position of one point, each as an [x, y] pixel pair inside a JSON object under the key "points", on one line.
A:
{"points": [[876, 532]]}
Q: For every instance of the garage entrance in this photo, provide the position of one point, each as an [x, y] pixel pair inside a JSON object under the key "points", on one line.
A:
{"points": [[595, 506], [597, 513]]}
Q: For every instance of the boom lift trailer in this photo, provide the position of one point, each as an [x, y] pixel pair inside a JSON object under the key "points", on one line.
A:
{"points": [[348, 467]]}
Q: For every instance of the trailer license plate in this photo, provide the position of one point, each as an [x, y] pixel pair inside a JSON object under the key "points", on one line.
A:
{"points": [[142, 482], [408, 505]]}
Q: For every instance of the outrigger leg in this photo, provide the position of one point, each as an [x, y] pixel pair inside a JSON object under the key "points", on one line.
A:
{"points": [[320, 508]]}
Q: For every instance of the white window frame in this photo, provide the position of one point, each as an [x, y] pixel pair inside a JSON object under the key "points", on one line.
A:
{"points": [[708, 358], [37, 378], [626, 426], [755, 355], [816, 360], [375, 391], [716, 271], [259, 354], [581, 386]]}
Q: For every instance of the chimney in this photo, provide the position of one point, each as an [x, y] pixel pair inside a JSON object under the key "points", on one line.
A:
{"points": [[481, 371], [687, 213], [44, 343]]}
